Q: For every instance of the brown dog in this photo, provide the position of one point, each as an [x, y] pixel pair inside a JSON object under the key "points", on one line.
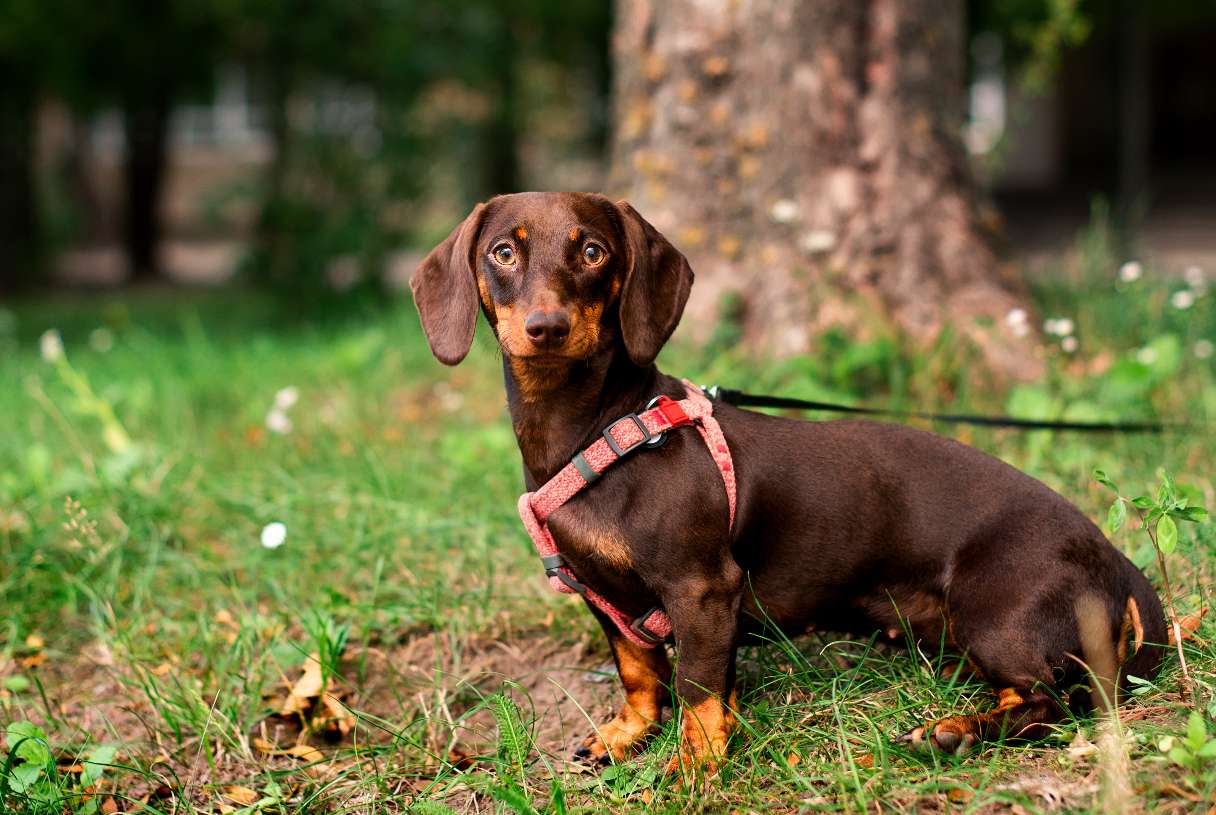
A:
{"points": [[845, 525]]}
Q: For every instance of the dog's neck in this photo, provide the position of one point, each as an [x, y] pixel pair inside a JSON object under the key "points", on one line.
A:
{"points": [[558, 410]]}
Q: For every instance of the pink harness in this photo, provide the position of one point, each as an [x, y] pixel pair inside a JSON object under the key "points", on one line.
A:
{"points": [[620, 438]]}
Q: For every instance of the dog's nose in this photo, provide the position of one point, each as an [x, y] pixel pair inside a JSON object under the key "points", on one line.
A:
{"points": [[547, 329]]}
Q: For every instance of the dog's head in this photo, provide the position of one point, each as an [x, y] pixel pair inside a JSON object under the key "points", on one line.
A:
{"points": [[560, 277]]}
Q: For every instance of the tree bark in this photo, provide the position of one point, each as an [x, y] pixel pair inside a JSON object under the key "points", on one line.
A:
{"points": [[147, 131], [807, 156], [20, 239]]}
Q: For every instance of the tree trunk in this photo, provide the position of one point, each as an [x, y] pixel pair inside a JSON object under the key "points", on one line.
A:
{"points": [[147, 130], [806, 156], [20, 240]]}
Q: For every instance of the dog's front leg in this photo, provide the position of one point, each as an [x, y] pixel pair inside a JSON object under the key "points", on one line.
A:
{"points": [[705, 615], [646, 676]]}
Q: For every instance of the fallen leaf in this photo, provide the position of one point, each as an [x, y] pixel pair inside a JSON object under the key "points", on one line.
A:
{"points": [[34, 660], [1189, 624], [109, 806], [793, 759], [865, 760], [242, 795], [224, 617], [1080, 747], [162, 669], [959, 795], [460, 760], [647, 796], [34, 642], [305, 752], [1174, 791], [340, 715], [306, 688], [262, 746]]}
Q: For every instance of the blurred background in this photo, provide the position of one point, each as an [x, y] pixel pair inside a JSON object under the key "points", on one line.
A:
{"points": [[315, 148]]}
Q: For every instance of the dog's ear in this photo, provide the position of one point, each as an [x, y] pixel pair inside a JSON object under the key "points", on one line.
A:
{"points": [[445, 291], [657, 281]]}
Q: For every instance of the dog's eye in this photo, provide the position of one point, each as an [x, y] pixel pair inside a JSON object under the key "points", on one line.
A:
{"points": [[594, 254], [504, 255]]}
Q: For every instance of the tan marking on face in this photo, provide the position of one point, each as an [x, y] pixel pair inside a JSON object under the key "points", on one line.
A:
{"points": [[485, 296], [574, 234], [521, 234], [644, 673]]}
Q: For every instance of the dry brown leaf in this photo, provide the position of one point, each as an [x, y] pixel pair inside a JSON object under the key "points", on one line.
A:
{"points": [[242, 795], [460, 760], [1189, 624], [647, 796], [109, 806], [959, 795], [341, 717], [1174, 791], [162, 669], [305, 752], [793, 759], [306, 688], [224, 617], [865, 761], [35, 642], [34, 660], [262, 746]]}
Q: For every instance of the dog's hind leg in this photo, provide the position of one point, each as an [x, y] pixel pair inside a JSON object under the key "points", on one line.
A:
{"points": [[646, 676]]}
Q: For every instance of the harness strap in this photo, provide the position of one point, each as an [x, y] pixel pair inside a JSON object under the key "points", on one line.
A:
{"points": [[619, 439]]}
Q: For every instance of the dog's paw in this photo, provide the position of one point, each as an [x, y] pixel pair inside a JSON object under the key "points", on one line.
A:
{"points": [[947, 736], [593, 752]]}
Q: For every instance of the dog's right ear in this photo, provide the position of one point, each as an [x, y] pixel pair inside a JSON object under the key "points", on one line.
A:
{"points": [[445, 291]]}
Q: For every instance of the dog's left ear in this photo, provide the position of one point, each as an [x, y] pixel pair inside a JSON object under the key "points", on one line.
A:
{"points": [[445, 291], [657, 281]]}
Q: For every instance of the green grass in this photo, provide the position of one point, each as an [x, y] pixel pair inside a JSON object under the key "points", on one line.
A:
{"points": [[141, 613]]}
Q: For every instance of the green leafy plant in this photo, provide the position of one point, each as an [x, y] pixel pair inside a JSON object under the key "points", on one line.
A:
{"points": [[1159, 518], [29, 776], [1194, 750]]}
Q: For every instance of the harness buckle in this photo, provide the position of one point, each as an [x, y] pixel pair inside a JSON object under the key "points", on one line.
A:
{"points": [[648, 439], [638, 626], [553, 568]]}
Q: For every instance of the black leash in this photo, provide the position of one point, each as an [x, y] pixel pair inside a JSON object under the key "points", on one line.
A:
{"points": [[741, 399]]}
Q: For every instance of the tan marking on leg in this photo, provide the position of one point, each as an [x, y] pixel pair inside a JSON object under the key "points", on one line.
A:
{"points": [[521, 233], [644, 673], [703, 735], [1007, 698]]}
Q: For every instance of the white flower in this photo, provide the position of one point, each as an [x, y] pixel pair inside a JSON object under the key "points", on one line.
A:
{"points": [[1204, 349], [1069, 344], [784, 211], [1146, 356], [1016, 319], [274, 534], [1182, 299], [286, 397], [277, 422], [1058, 326], [1194, 277], [50, 345], [1131, 271], [101, 340]]}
